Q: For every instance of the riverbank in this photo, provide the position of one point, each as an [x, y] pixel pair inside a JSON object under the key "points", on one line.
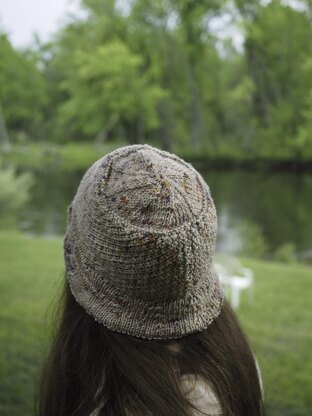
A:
{"points": [[67, 157], [278, 324], [72, 156]]}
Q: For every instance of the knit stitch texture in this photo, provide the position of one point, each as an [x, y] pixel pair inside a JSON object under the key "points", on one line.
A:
{"points": [[139, 244]]}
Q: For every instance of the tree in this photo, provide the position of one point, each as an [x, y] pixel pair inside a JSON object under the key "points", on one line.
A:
{"points": [[102, 23], [22, 92], [14, 192], [5, 144], [108, 85], [193, 17], [276, 46], [302, 142], [174, 40]]}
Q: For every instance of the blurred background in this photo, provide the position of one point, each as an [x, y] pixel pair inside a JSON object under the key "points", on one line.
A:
{"points": [[225, 84]]}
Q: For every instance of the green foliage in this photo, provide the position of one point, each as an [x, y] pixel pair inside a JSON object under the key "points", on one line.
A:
{"points": [[14, 192], [302, 143], [159, 72], [286, 253], [109, 84], [22, 93], [253, 241], [276, 48], [69, 156]]}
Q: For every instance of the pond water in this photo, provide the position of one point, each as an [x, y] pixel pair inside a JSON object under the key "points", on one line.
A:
{"points": [[275, 206]]}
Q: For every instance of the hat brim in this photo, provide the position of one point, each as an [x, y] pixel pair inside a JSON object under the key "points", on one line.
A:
{"points": [[148, 320]]}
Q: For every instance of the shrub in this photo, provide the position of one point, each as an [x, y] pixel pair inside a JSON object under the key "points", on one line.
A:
{"points": [[253, 241], [14, 193], [286, 253]]}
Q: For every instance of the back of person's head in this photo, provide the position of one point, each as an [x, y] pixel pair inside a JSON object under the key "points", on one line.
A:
{"points": [[142, 306]]}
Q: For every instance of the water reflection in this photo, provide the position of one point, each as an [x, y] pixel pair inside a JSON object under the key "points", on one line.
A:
{"points": [[278, 203]]}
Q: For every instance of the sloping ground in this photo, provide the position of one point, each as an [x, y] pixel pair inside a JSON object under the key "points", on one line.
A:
{"points": [[71, 156], [278, 324]]}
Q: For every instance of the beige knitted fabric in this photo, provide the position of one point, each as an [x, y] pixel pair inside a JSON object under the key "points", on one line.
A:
{"points": [[139, 244]]}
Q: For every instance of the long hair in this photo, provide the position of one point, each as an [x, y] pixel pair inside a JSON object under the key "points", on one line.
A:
{"points": [[91, 367]]}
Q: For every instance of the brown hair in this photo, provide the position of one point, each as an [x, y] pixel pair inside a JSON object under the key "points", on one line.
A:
{"points": [[89, 366]]}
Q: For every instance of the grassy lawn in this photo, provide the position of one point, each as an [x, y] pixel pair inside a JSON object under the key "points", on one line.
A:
{"points": [[278, 324], [71, 156]]}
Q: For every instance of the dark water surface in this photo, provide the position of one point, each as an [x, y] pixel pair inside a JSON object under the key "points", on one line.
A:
{"points": [[278, 204]]}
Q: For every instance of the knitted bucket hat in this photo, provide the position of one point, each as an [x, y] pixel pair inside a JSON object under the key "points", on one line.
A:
{"points": [[139, 243]]}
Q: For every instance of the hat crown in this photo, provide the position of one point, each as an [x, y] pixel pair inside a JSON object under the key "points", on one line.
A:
{"points": [[147, 187]]}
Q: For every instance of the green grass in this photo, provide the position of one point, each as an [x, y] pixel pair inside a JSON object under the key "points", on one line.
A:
{"points": [[29, 273], [278, 324], [68, 156], [78, 155]]}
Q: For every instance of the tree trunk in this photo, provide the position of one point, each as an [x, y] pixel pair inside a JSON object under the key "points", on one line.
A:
{"points": [[103, 134], [140, 130], [165, 131], [195, 109], [192, 31], [5, 145]]}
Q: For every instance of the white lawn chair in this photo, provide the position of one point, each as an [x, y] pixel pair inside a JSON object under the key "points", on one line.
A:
{"points": [[234, 278]]}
